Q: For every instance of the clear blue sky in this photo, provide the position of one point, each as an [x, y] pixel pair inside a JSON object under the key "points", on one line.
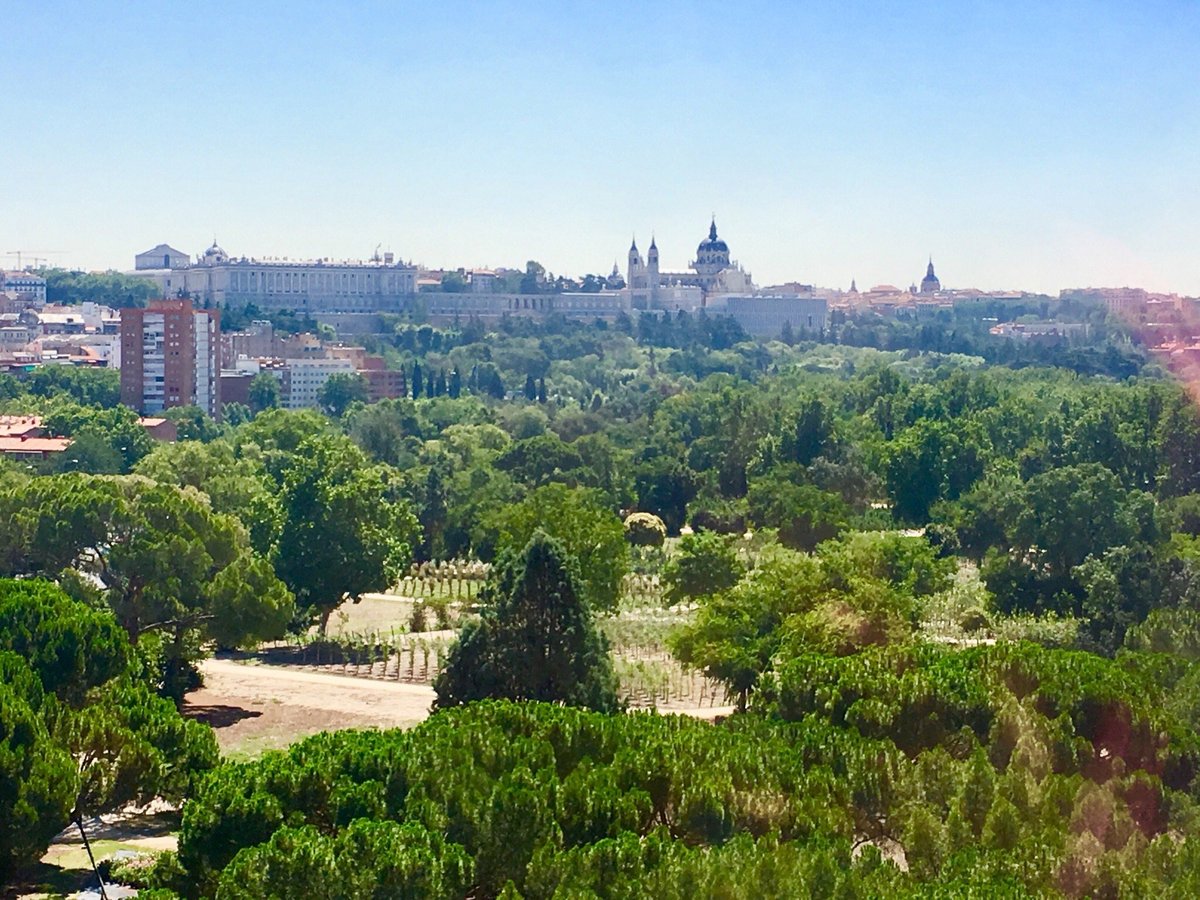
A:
{"points": [[1024, 144]]}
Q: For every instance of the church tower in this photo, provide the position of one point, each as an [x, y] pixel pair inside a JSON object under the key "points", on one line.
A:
{"points": [[652, 279], [636, 276]]}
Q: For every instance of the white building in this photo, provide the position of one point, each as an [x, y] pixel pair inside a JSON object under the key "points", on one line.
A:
{"points": [[312, 286], [451, 306], [712, 272], [304, 378]]}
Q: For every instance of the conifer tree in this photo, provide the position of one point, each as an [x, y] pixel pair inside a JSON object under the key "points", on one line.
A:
{"points": [[418, 383], [538, 640]]}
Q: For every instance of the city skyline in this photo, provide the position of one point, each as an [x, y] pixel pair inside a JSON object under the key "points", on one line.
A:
{"points": [[831, 144]]}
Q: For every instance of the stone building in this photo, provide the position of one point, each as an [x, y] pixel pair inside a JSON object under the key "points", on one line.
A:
{"points": [[712, 272], [322, 285]]}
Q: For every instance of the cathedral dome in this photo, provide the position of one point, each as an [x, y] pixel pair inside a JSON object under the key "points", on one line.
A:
{"points": [[714, 244], [930, 283], [215, 251]]}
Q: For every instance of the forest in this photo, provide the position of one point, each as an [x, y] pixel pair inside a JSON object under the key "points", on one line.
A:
{"points": [[948, 586]]}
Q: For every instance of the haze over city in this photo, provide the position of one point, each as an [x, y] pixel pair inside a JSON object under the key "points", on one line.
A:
{"points": [[1023, 146]]}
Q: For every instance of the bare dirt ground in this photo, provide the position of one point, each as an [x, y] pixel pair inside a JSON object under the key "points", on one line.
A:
{"points": [[254, 708]]}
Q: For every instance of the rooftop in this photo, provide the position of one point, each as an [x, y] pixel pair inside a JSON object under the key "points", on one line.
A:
{"points": [[24, 444]]}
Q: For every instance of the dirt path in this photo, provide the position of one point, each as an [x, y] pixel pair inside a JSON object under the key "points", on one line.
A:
{"points": [[256, 707]]}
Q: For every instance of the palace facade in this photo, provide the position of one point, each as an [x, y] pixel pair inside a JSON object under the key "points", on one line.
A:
{"points": [[380, 284]]}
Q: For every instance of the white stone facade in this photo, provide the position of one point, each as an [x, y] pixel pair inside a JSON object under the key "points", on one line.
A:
{"points": [[712, 272], [218, 280]]}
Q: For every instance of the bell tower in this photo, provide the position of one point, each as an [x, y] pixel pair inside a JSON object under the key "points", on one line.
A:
{"points": [[652, 279], [635, 275]]}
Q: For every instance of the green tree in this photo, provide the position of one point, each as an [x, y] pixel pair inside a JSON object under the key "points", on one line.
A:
{"points": [[536, 641], [108, 739], [389, 431], [85, 386], [804, 514], [703, 563], [928, 462], [589, 531], [263, 392], [236, 481], [343, 532], [37, 777], [418, 381], [540, 460], [109, 435], [165, 562], [367, 860], [71, 647], [193, 424], [340, 390], [665, 486], [106, 288]]}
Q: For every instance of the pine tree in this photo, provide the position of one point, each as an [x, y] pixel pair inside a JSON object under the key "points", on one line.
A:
{"points": [[455, 386], [530, 388], [418, 383], [541, 390], [537, 642]]}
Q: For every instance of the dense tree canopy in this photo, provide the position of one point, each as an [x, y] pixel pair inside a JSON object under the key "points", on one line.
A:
{"points": [[82, 731], [343, 532], [951, 582], [163, 560], [588, 531]]}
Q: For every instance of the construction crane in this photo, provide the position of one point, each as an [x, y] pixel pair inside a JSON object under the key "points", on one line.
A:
{"points": [[33, 255]]}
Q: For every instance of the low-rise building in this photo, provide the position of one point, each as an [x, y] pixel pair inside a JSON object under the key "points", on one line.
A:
{"points": [[767, 316], [26, 288], [32, 449]]}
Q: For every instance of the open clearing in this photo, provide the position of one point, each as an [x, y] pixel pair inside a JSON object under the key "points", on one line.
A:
{"points": [[257, 707]]}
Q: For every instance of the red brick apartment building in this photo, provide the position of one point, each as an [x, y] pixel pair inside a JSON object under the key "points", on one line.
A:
{"points": [[170, 357]]}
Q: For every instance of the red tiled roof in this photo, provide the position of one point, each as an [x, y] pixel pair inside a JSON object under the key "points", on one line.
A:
{"points": [[12, 444]]}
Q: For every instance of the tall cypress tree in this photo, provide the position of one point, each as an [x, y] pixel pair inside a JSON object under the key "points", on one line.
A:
{"points": [[418, 383]]}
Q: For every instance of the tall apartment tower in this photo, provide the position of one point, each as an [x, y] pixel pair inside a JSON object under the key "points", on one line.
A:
{"points": [[170, 356]]}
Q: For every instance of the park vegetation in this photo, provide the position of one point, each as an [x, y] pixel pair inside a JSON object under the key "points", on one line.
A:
{"points": [[949, 586]]}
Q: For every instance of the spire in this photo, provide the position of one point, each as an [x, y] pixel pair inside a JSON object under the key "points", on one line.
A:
{"points": [[929, 271], [653, 246], [853, 286], [712, 229], [633, 245]]}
